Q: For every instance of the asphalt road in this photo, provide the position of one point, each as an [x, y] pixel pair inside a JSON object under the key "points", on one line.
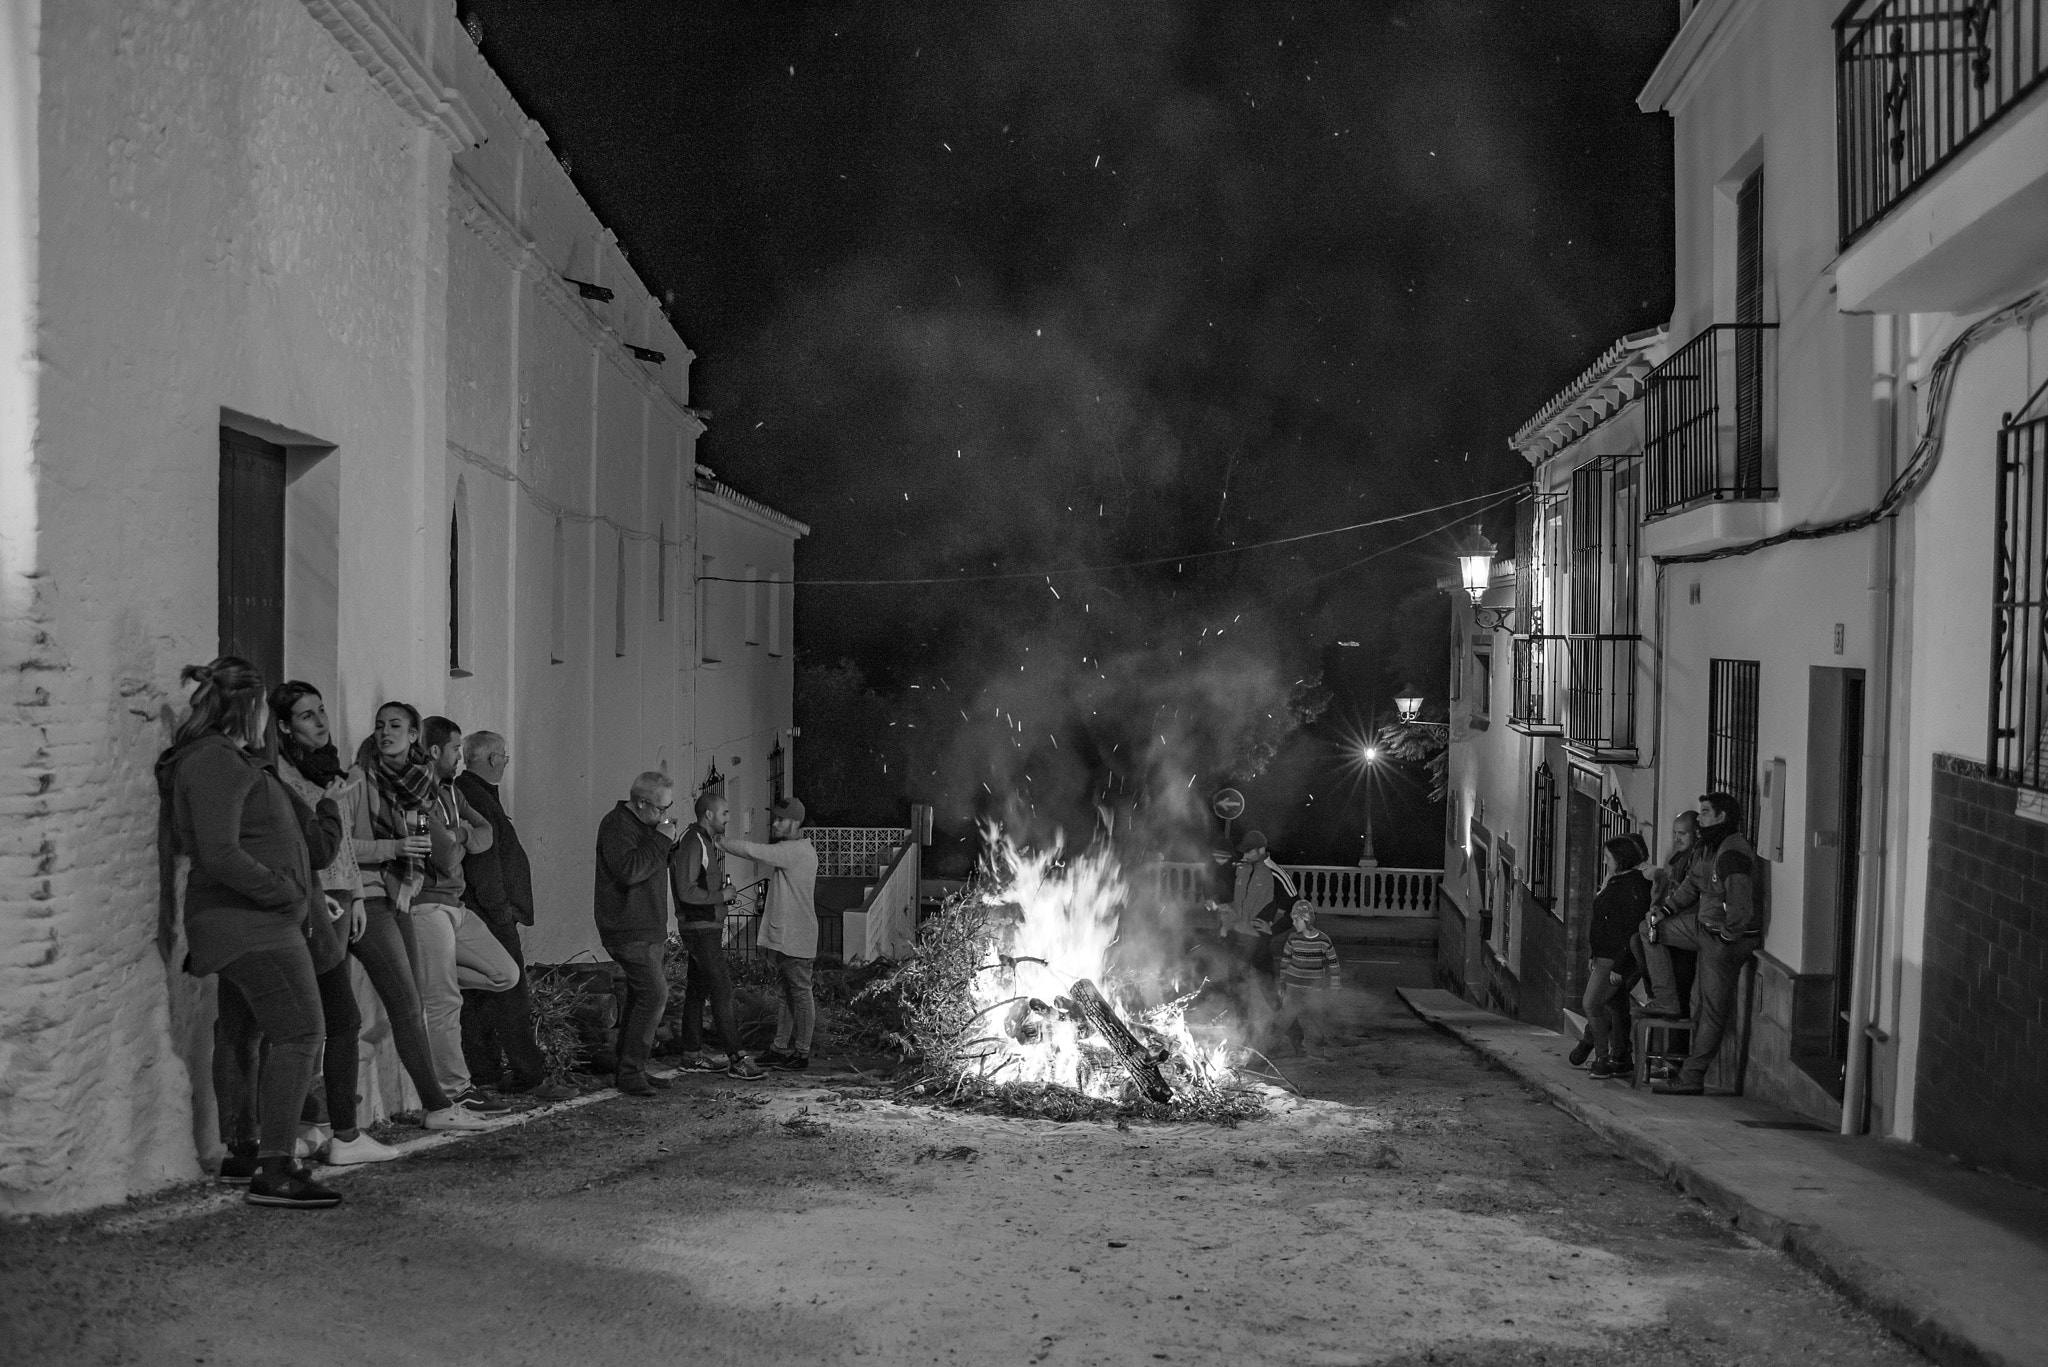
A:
{"points": [[1422, 1207]]}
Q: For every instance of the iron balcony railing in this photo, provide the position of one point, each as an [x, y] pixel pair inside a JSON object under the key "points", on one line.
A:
{"points": [[1535, 706], [1710, 417], [1916, 81], [2019, 625], [1600, 697]]}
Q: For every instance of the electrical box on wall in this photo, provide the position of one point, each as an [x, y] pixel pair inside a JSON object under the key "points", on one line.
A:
{"points": [[1770, 821]]}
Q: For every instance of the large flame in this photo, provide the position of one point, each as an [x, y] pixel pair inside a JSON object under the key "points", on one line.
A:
{"points": [[1059, 918]]}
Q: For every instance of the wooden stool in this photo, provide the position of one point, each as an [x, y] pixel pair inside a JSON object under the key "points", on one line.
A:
{"points": [[1673, 1038]]}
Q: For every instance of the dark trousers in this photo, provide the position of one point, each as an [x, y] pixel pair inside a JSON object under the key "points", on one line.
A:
{"points": [[344, 1022], [497, 1027], [709, 982], [1720, 971], [646, 996], [266, 996], [385, 952], [1606, 1005]]}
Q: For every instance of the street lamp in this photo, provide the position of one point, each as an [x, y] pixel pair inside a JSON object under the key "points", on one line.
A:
{"points": [[1370, 753], [1475, 563], [1408, 702]]}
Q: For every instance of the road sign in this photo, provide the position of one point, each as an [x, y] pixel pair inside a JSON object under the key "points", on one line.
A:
{"points": [[1228, 804]]}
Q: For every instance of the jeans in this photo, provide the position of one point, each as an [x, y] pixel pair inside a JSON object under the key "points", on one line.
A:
{"points": [[266, 996], [454, 949], [497, 1027], [710, 982], [344, 1022], [796, 1010], [1669, 962], [1720, 971], [385, 952], [1607, 1012], [646, 996]]}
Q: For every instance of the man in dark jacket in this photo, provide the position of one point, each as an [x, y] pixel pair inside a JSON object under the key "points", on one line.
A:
{"points": [[697, 873], [1725, 931], [497, 1027], [631, 909]]}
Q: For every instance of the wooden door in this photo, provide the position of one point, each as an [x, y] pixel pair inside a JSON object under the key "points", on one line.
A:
{"points": [[252, 476]]}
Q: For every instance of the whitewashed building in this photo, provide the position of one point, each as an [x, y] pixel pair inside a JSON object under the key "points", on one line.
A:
{"points": [[1828, 499], [313, 351]]}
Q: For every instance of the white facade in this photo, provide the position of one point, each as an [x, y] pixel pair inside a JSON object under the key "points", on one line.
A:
{"points": [[1845, 591], [324, 226]]}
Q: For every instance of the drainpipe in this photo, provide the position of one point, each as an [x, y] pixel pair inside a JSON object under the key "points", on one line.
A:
{"points": [[1870, 911], [1657, 713]]}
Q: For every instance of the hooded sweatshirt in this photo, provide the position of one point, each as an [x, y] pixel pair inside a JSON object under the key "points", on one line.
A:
{"points": [[251, 876]]}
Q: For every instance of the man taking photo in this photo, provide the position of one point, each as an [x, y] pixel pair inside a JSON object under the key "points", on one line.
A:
{"points": [[789, 929]]}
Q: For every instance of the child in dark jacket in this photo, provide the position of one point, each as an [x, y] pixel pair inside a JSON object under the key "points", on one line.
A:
{"points": [[1618, 909]]}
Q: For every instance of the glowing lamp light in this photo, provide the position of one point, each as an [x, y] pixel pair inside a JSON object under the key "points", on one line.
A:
{"points": [[1371, 753], [1475, 563], [1408, 702]]}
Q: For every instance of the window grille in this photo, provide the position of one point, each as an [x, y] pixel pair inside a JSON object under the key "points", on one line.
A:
{"points": [[1538, 661], [1601, 639], [1708, 419], [1749, 342], [2018, 744], [1732, 735], [1542, 833]]}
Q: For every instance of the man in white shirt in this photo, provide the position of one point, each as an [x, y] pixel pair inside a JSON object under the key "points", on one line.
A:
{"points": [[789, 929]]}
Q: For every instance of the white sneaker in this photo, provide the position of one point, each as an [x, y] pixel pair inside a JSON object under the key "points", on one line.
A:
{"points": [[454, 1118], [343, 1153], [312, 1139]]}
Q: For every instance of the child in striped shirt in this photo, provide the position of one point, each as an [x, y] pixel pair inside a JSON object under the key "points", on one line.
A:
{"points": [[1308, 974]]}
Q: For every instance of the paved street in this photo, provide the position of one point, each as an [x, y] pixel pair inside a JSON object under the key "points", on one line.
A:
{"points": [[1423, 1207]]}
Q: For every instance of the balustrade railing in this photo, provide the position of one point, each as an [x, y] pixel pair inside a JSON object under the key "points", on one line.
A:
{"points": [[1916, 81], [1710, 419], [1534, 698]]}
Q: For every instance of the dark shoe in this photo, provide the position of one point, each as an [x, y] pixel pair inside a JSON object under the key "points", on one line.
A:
{"points": [[1603, 1069], [1623, 1063], [548, 1090], [770, 1058], [745, 1068], [699, 1062], [479, 1102], [1580, 1053], [794, 1063], [635, 1084], [1665, 1011], [290, 1188], [660, 1084], [237, 1168], [1675, 1087]]}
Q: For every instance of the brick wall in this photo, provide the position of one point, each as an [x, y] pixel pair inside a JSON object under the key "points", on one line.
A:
{"points": [[1983, 1071]]}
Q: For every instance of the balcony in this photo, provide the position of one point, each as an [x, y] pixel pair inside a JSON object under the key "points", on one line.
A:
{"points": [[1710, 420], [1941, 151], [1600, 697], [1535, 706], [2018, 743]]}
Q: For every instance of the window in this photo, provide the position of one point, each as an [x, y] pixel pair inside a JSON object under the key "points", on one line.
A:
{"points": [[2018, 744], [558, 605], [1542, 833], [619, 602], [753, 622], [1749, 342], [1732, 735], [775, 612], [252, 551], [1482, 684], [707, 644], [661, 573], [455, 588], [776, 761], [1457, 650], [1601, 639]]}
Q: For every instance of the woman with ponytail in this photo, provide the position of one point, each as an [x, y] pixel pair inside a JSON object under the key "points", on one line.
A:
{"points": [[246, 919], [394, 779], [311, 767]]}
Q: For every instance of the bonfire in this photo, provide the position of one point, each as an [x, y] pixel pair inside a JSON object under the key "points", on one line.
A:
{"points": [[1017, 1001]]}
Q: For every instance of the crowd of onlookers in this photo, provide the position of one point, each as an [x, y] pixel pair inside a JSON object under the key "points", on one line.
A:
{"points": [[403, 858], [1684, 930]]}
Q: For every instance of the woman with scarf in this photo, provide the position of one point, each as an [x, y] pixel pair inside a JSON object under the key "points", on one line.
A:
{"points": [[310, 766], [392, 780], [246, 910]]}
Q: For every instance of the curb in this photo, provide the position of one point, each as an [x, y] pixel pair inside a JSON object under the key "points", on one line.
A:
{"points": [[1903, 1309]]}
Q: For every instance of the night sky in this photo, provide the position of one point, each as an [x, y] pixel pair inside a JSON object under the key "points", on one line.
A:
{"points": [[1016, 287]]}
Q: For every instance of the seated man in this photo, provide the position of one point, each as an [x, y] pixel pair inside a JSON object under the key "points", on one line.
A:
{"points": [[1725, 930]]}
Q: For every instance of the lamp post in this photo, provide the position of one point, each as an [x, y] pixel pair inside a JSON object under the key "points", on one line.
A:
{"points": [[1370, 753]]}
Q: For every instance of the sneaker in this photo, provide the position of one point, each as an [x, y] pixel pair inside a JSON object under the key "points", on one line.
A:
{"points": [[1678, 1087], [312, 1139], [237, 1168], [347, 1153], [550, 1090], [1603, 1069], [292, 1189], [770, 1058], [700, 1062], [1580, 1053], [479, 1102], [744, 1067], [454, 1118], [635, 1084], [794, 1063]]}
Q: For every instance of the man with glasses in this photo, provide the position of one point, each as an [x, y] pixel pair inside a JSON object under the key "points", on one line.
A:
{"points": [[631, 906], [497, 1027]]}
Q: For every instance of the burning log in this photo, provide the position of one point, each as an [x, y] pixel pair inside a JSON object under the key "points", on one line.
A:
{"points": [[1088, 1005]]}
